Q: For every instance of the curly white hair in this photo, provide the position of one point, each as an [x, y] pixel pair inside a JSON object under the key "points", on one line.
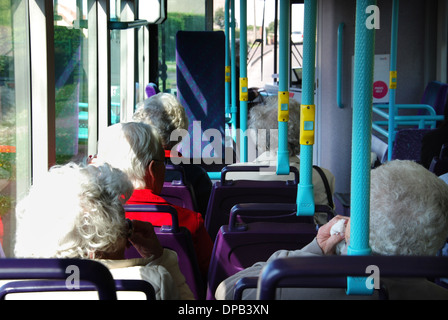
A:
{"points": [[408, 210], [74, 212], [264, 117], [165, 112], [130, 147]]}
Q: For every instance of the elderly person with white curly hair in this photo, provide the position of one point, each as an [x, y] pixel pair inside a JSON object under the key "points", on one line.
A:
{"points": [[77, 212], [408, 216], [165, 113], [263, 134]]}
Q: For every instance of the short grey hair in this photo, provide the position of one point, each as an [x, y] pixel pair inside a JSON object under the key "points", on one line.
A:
{"points": [[130, 147], [408, 210], [264, 117], [73, 212], [165, 113]]}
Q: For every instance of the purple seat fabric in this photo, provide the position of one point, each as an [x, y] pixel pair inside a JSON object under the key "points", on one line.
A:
{"points": [[435, 95], [408, 144], [240, 246], [439, 164], [177, 239], [177, 191], [200, 61], [61, 285], [331, 271], [227, 193], [89, 270]]}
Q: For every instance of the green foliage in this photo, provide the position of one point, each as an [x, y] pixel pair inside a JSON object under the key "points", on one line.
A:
{"points": [[179, 21]]}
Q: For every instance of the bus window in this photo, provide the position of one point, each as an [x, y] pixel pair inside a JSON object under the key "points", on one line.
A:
{"points": [[129, 70], [71, 80], [182, 15], [262, 56], [15, 156]]}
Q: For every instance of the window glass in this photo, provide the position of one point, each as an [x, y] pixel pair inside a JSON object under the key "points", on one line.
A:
{"points": [[128, 74], [262, 69], [71, 81], [14, 114], [182, 15]]}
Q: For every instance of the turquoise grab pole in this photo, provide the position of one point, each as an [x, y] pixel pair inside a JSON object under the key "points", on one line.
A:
{"points": [[227, 62], [233, 108], [305, 190], [361, 142], [244, 94], [339, 65], [393, 78], [283, 91]]}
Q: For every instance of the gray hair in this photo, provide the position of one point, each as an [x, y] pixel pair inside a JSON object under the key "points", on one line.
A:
{"points": [[130, 147], [74, 212], [264, 117], [408, 210], [165, 113]]}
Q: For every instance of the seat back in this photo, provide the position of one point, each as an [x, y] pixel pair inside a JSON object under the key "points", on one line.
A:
{"points": [[39, 286], [176, 190], [439, 164], [332, 271], [408, 144], [239, 246], [227, 193], [91, 271], [200, 61], [435, 95], [177, 239]]}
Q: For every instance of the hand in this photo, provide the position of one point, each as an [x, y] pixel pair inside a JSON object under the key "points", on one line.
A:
{"points": [[326, 241], [144, 239]]}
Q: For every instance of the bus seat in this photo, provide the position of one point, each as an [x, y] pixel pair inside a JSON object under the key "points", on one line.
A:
{"points": [[200, 76], [439, 164], [408, 144], [240, 246], [177, 239], [332, 272], [59, 269], [227, 193], [435, 95], [176, 190], [40, 286]]}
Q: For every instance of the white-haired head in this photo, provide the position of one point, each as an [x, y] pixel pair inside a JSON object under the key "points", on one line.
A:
{"points": [[130, 147], [264, 117], [74, 212], [165, 113], [408, 210]]}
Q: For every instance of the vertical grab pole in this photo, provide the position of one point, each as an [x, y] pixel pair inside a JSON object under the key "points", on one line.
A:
{"points": [[227, 62], [361, 141], [340, 65], [283, 91], [392, 79], [233, 108], [305, 190], [244, 94]]}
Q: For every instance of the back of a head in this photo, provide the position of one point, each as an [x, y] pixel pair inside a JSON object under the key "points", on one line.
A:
{"points": [[408, 210], [165, 113], [264, 117], [74, 212], [130, 147]]}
